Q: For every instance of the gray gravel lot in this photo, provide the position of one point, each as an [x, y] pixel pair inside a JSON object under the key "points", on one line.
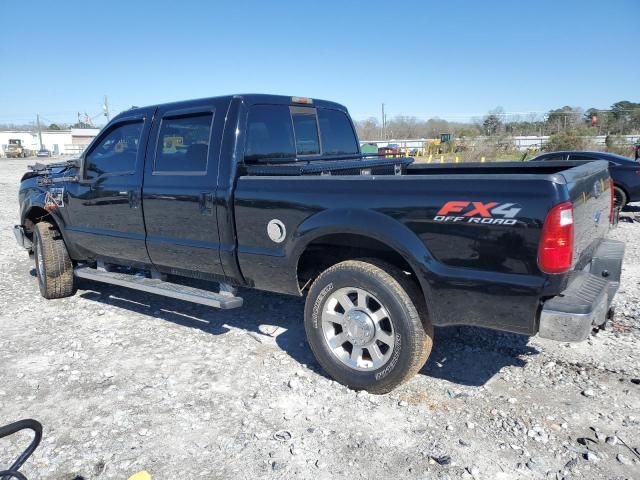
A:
{"points": [[124, 381]]}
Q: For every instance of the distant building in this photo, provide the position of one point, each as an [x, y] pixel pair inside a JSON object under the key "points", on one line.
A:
{"points": [[58, 142]]}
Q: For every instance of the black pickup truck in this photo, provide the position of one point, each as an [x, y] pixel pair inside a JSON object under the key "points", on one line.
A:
{"points": [[273, 193]]}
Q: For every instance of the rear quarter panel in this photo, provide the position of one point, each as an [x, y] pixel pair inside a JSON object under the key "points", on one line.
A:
{"points": [[471, 273], [588, 188]]}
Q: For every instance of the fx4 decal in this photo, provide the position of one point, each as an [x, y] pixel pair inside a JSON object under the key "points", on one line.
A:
{"points": [[494, 213]]}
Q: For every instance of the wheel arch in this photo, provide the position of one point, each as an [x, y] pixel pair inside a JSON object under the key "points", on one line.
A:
{"points": [[35, 214], [624, 189], [336, 235]]}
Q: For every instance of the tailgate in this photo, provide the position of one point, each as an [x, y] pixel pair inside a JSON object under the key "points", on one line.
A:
{"points": [[589, 189]]}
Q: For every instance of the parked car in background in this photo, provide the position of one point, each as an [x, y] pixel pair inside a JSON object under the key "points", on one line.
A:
{"points": [[390, 149], [43, 152], [624, 171]]}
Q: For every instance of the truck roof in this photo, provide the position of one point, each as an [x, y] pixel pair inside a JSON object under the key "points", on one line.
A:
{"points": [[251, 99]]}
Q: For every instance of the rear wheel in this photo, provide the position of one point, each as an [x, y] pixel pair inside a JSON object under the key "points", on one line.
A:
{"points": [[619, 197], [364, 327], [53, 264]]}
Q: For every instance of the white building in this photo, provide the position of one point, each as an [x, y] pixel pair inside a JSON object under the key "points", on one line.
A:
{"points": [[58, 142]]}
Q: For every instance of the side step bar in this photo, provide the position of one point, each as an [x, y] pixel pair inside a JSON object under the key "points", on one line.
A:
{"points": [[158, 287]]}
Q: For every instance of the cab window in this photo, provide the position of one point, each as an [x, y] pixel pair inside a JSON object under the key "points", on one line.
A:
{"points": [[336, 132], [283, 133], [116, 152], [183, 143], [269, 134], [305, 127]]}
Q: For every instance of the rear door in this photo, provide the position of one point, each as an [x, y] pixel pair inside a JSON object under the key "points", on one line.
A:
{"points": [[180, 179]]}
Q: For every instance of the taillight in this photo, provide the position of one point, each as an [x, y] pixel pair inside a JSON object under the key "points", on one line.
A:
{"points": [[555, 252], [613, 200]]}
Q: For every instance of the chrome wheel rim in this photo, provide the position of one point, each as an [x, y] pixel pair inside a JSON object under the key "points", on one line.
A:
{"points": [[357, 329]]}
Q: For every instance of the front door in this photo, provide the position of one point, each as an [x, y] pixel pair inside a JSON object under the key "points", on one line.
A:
{"points": [[103, 210], [178, 195]]}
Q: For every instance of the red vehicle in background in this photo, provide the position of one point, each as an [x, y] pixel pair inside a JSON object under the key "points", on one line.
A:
{"points": [[390, 149]]}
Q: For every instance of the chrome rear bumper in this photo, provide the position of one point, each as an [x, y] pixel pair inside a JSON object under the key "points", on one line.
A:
{"points": [[585, 303]]}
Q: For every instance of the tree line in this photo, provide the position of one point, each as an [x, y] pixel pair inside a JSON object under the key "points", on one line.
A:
{"points": [[621, 118]]}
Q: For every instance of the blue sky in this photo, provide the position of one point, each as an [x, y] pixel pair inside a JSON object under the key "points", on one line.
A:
{"points": [[452, 59]]}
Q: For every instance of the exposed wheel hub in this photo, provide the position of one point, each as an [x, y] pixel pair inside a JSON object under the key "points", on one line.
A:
{"points": [[359, 327]]}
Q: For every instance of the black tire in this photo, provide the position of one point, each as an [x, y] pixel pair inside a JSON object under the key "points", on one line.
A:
{"points": [[619, 197], [53, 264], [410, 328]]}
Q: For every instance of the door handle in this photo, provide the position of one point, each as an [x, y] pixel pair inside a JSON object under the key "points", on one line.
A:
{"points": [[206, 203], [134, 198]]}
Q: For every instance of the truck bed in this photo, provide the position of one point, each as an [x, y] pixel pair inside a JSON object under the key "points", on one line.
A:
{"points": [[485, 271]]}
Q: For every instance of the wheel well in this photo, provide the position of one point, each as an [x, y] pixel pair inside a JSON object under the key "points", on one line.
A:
{"points": [[328, 250], [35, 215], [622, 188]]}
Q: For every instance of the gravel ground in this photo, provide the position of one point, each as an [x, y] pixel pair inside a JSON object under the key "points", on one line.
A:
{"points": [[124, 381]]}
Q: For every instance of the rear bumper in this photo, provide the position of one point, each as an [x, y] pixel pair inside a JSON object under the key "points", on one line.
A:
{"points": [[21, 238], [585, 302]]}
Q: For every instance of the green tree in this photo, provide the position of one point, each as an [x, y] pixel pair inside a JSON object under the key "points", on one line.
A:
{"points": [[492, 124], [565, 140], [565, 118], [626, 116]]}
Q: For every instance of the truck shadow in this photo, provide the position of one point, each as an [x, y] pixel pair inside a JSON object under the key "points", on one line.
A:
{"points": [[462, 355], [471, 356]]}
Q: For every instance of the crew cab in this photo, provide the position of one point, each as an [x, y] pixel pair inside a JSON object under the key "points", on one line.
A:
{"points": [[273, 193]]}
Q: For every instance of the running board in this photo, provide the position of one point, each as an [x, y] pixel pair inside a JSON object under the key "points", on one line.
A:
{"points": [[158, 287]]}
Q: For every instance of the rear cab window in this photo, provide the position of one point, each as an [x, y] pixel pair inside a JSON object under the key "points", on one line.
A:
{"points": [[338, 137], [283, 133], [269, 134], [305, 129]]}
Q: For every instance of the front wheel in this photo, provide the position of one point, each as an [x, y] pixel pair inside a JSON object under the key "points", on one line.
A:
{"points": [[364, 327], [53, 263]]}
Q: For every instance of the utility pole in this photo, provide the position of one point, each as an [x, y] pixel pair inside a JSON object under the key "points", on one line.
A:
{"points": [[39, 130], [384, 124], [106, 107]]}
